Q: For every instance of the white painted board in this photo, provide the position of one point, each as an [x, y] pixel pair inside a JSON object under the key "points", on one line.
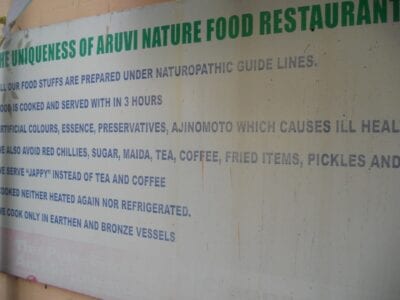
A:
{"points": [[257, 162]]}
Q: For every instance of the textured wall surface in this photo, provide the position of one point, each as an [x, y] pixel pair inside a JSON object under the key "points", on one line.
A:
{"points": [[41, 13], [18, 289]]}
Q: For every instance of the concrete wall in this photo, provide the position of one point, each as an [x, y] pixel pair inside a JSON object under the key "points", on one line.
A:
{"points": [[46, 12], [13, 288]]}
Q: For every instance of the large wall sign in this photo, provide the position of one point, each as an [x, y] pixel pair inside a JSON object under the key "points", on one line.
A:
{"points": [[206, 150]]}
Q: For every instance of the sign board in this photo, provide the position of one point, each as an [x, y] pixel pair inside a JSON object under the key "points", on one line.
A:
{"points": [[206, 150]]}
